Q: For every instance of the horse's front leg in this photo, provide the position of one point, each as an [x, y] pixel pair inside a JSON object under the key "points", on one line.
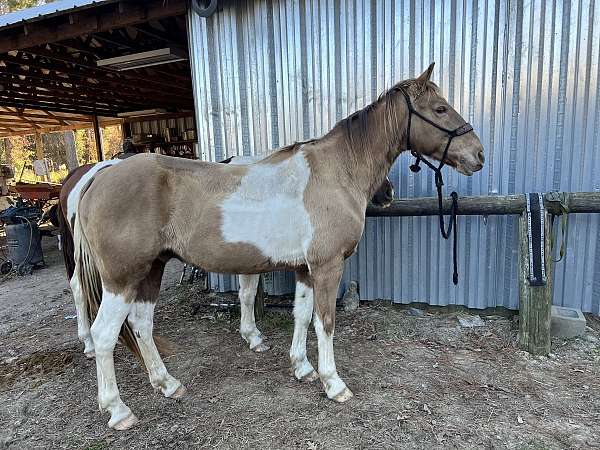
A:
{"points": [[326, 280], [250, 333]]}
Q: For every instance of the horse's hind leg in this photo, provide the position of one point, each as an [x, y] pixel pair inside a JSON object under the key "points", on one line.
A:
{"points": [[105, 332], [303, 310], [248, 330], [83, 321], [141, 320]]}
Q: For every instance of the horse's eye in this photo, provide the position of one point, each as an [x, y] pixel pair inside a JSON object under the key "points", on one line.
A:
{"points": [[441, 109]]}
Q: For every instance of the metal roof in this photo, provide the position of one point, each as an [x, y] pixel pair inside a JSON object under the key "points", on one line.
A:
{"points": [[47, 10]]}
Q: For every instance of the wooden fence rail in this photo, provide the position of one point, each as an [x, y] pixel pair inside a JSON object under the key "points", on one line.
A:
{"points": [[579, 202], [535, 301]]}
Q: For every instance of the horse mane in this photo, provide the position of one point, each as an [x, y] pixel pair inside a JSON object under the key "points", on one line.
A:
{"points": [[379, 122], [357, 130]]}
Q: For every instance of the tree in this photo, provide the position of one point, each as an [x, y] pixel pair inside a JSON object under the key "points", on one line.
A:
{"points": [[7, 6]]}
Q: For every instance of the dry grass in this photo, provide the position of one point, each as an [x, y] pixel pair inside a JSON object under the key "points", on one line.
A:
{"points": [[418, 383]]}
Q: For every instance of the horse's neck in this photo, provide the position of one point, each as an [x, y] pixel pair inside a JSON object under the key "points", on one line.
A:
{"points": [[367, 166]]}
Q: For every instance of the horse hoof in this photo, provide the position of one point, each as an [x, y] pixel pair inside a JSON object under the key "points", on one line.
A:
{"points": [[260, 348], [343, 396], [179, 393], [309, 377], [90, 355], [126, 423]]}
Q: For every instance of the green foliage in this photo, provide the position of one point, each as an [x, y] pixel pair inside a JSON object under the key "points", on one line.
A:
{"points": [[7, 6]]}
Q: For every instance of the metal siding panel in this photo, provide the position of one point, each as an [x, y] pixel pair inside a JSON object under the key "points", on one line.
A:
{"points": [[525, 74]]}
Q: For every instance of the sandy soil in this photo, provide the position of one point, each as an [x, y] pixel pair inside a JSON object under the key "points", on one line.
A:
{"points": [[419, 382]]}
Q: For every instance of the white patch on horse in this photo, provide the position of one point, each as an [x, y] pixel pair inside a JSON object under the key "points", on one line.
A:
{"points": [[303, 310], [267, 210], [73, 198], [335, 388], [141, 319], [105, 333], [250, 333]]}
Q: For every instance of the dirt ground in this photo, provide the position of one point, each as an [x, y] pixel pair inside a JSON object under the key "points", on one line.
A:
{"points": [[419, 381]]}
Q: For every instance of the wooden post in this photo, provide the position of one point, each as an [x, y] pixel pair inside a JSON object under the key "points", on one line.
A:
{"points": [[98, 138], [259, 302], [535, 301]]}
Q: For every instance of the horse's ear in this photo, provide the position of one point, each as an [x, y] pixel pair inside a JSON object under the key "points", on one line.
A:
{"points": [[425, 76]]}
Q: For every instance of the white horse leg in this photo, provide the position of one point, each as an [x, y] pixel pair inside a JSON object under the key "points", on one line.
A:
{"points": [[248, 330], [326, 283], [303, 310], [83, 322], [141, 319], [105, 332]]}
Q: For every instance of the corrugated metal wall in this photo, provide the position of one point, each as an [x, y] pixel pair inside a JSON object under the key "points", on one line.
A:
{"points": [[525, 74]]}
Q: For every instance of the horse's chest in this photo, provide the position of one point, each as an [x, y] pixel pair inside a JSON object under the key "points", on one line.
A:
{"points": [[267, 211]]}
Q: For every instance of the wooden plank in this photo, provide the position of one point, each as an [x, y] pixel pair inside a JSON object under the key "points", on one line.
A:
{"points": [[93, 19], [535, 301], [579, 202]]}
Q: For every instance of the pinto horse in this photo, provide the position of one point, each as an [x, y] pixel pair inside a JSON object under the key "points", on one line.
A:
{"points": [[248, 283], [301, 208]]}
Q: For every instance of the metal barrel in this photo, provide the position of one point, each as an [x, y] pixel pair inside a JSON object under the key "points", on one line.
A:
{"points": [[24, 243]]}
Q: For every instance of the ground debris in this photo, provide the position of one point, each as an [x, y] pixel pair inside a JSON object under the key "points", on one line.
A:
{"points": [[470, 321], [424, 382]]}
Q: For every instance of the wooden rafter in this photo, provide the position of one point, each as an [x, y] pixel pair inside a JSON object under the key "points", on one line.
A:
{"points": [[102, 18]]}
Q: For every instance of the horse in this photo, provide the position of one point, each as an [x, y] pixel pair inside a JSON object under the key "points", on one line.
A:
{"points": [[248, 283], [302, 208]]}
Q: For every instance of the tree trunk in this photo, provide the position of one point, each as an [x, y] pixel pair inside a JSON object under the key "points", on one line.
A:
{"points": [[8, 147], [71, 150]]}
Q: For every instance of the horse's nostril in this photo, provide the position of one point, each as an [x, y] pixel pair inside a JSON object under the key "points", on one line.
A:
{"points": [[481, 156]]}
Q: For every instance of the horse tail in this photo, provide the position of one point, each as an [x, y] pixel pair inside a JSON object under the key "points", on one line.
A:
{"points": [[91, 284], [66, 241]]}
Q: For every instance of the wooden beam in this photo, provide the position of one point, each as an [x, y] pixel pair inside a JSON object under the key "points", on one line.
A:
{"points": [[97, 138], [49, 106], [43, 116], [50, 100], [92, 70], [94, 19], [74, 95], [37, 78], [535, 301], [80, 126], [123, 83], [579, 202]]}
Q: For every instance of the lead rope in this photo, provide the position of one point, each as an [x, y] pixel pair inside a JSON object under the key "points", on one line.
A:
{"points": [[439, 179], [452, 224]]}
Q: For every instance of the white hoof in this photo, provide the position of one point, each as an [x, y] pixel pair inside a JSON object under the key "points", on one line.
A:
{"points": [[90, 354], [343, 396], [124, 424], [260, 348], [179, 393]]}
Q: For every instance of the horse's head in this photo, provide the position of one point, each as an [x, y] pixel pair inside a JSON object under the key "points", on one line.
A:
{"points": [[384, 195], [433, 123]]}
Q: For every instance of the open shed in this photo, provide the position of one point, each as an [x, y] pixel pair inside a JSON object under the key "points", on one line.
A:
{"points": [[83, 64]]}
